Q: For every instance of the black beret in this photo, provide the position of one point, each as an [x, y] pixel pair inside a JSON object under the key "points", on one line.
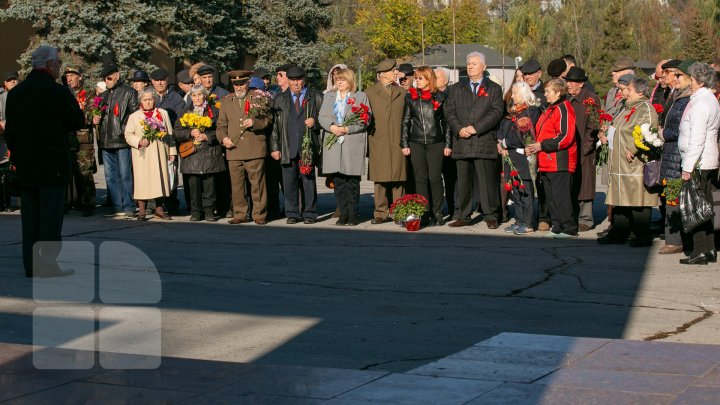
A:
{"points": [[159, 74], [205, 70], [140, 76], [684, 66], [530, 67], [283, 68], [108, 69], [556, 67], [406, 68], [576, 74], [295, 72], [672, 63], [11, 75], [183, 76], [261, 72]]}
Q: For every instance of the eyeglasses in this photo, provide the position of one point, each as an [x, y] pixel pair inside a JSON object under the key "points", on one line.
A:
{"points": [[419, 78], [106, 78], [404, 79]]}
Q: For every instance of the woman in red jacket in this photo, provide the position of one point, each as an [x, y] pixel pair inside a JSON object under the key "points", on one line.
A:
{"points": [[557, 158]]}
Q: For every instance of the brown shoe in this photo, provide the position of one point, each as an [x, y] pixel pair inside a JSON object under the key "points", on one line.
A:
{"points": [[670, 250], [237, 220], [377, 220], [336, 214], [260, 221], [543, 227], [492, 224], [459, 223], [583, 228]]}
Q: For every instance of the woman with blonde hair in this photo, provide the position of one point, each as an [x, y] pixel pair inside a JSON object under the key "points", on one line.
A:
{"points": [[425, 137], [345, 158]]}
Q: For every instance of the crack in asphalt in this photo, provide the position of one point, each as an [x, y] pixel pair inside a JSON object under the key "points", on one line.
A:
{"points": [[369, 366], [550, 272], [682, 328]]}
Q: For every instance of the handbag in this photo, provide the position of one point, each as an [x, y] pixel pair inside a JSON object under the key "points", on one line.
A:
{"points": [[694, 208], [186, 149], [651, 173]]}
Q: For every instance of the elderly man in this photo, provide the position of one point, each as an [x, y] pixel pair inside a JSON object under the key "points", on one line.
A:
{"points": [[121, 101], [587, 135], [442, 78], [242, 131], [570, 62], [669, 73], [532, 72], [296, 116], [659, 92], [40, 152], [405, 75], [168, 100], [184, 84], [473, 110], [282, 81], [81, 188], [386, 166], [207, 79], [613, 100]]}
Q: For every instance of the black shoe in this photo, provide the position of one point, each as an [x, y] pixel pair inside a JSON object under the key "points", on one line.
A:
{"points": [[195, 217], [711, 256], [291, 221], [342, 221], [439, 221], [609, 240], [309, 221], [695, 258], [354, 221]]}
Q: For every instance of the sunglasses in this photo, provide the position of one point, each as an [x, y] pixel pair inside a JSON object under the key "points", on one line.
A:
{"points": [[404, 79]]}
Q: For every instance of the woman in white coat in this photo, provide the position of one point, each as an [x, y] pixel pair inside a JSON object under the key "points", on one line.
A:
{"points": [[150, 159], [345, 159], [698, 148]]}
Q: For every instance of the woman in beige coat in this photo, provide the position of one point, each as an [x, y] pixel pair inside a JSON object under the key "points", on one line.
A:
{"points": [[632, 202], [150, 158]]}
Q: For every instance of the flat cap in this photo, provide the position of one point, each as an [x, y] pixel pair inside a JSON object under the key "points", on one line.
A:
{"points": [[576, 74], [108, 69], [140, 76], [183, 76], [626, 79], [684, 66], [556, 67], [672, 63], [205, 70], [239, 76], [623, 63], [385, 65], [11, 75], [530, 67], [295, 72], [406, 69], [159, 74], [283, 68], [261, 72], [73, 69]]}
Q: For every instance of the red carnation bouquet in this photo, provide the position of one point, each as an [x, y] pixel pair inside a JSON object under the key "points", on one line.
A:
{"points": [[603, 119], [513, 180], [359, 114]]}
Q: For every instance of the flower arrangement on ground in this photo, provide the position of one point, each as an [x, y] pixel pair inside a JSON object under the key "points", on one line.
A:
{"points": [[409, 207], [671, 190]]}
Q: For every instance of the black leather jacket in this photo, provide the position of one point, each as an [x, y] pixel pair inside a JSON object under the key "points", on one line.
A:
{"points": [[423, 122], [121, 101]]}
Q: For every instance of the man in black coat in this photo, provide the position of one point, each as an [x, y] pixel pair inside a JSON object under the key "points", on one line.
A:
{"points": [[473, 110], [532, 72], [296, 113], [121, 101], [40, 115]]}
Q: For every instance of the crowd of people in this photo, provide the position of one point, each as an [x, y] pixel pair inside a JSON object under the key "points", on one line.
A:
{"points": [[468, 146]]}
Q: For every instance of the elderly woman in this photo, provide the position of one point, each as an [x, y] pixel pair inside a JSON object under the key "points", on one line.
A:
{"points": [[515, 129], [425, 138], [345, 159], [150, 157], [699, 150], [202, 166], [670, 168], [556, 147], [632, 202]]}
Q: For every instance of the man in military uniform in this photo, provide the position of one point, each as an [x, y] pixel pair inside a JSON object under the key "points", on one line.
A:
{"points": [[81, 188]]}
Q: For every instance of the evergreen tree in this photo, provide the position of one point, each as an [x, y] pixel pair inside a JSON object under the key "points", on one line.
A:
{"points": [[699, 40], [613, 42]]}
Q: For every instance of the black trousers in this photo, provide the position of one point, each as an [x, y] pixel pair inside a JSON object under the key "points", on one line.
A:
{"points": [[42, 211], [274, 181], [704, 235], [558, 187], [488, 180], [449, 174], [347, 194], [523, 202], [627, 219], [201, 188], [427, 162], [293, 180], [543, 209]]}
